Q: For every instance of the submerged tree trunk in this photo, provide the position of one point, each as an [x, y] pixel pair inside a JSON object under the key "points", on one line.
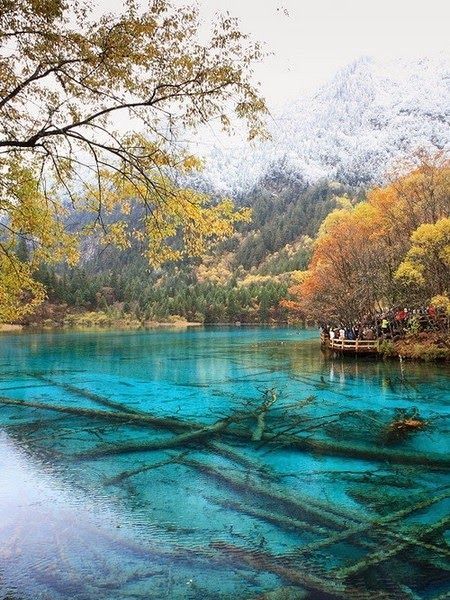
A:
{"points": [[97, 398], [319, 583], [322, 446], [173, 442], [292, 502], [285, 522], [375, 524], [127, 418], [271, 398], [393, 550]]}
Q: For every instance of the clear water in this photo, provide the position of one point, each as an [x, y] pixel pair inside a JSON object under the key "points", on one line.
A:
{"points": [[364, 515]]}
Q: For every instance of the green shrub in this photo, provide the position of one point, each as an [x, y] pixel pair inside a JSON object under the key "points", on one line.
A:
{"points": [[429, 353], [387, 348]]}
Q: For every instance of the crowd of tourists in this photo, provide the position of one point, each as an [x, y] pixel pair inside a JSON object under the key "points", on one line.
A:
{"points": [[387, 324]]}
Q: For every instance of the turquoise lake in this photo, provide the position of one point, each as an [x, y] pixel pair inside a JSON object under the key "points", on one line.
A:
{"points": [[330, 502]]}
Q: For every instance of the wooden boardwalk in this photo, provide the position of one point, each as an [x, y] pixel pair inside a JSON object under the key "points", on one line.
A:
{"points": [[351, 346]]}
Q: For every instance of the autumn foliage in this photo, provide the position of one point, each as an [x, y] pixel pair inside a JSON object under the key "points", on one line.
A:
{"points": [[391, 249], [94, 114]]}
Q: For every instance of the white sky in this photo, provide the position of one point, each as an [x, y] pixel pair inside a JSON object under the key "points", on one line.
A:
{"points": [[312, 39]]}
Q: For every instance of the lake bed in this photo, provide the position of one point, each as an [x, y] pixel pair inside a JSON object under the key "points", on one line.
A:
{"points": [[344, 512]]}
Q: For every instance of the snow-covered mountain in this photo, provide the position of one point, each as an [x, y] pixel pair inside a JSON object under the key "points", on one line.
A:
{"points": [[353, 129]]}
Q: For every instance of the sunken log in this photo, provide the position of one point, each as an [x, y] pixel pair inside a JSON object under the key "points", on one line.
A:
{"points": [[318, 583], [321, 446], [374, 524], [179, 440], [387, 553]]}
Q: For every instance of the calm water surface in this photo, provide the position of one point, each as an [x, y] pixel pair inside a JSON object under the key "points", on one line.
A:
{"points": [[350, 512]]}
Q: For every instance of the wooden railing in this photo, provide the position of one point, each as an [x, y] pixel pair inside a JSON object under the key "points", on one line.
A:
{"points": [[351, 345], [354, 344]]}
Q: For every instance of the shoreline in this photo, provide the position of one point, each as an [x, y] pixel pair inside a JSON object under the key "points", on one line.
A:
{"points": [[426, 346], [124, 326], [8, 327]]}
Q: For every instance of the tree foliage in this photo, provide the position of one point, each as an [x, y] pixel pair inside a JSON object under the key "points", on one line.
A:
{"points": [[427, 262], [32, 233], [282, 210], [390, 249], [92, 111], [255, 299]]}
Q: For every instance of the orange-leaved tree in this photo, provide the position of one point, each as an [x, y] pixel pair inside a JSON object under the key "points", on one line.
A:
{"points": [[358, 264]]}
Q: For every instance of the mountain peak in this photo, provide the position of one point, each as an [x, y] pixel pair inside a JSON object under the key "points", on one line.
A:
{"points": [[370, 115]]}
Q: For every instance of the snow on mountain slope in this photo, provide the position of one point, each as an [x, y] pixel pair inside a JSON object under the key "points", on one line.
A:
{"points": [[369, 116]]}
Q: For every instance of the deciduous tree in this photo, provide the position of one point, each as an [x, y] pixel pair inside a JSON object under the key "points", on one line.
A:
{"points": [[91, 115], [426, 266], [392, 248]]}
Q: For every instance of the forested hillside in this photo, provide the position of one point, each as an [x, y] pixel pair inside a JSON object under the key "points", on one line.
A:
{"points": [[242, 279], [350, 249]]}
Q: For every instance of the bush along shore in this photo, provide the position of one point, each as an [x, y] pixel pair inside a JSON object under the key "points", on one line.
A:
{"points": [[426, 346], [61, 316]]}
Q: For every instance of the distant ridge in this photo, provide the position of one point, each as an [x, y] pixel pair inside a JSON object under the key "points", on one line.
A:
{"points": [[369, 116]]}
